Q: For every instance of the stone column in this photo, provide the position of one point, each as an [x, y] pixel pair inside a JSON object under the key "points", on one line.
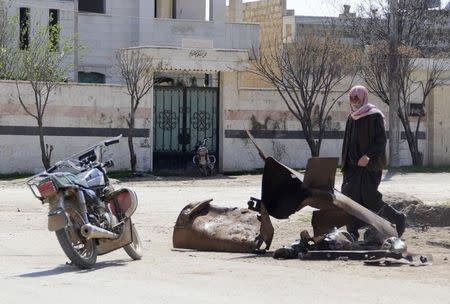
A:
{"points": [[217, 10], [146, 16], [235, 9]]}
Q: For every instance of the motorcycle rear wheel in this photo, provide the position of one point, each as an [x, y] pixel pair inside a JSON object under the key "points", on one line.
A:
{"points": [[82, 252], [134, 250]]}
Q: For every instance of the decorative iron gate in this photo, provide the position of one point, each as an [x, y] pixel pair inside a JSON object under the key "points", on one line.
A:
{"points": [[182, 117]]}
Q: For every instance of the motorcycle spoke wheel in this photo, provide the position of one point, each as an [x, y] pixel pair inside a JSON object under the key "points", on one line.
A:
{"points": [[134, 250]]}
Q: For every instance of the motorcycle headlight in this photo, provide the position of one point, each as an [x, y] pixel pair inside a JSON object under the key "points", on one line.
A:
{"points": [[202, 151]]}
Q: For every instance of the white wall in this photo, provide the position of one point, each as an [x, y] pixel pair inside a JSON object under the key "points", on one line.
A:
{"points": [[103, 107], [89, 110], [102, 34], [239, 104]]}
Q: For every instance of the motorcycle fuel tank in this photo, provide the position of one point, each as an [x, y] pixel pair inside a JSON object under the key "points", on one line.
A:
{"points": [[93, 177]]}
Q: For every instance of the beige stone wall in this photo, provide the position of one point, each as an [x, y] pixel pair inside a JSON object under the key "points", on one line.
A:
{"points": [[269, 15], [87, 112], [439, 126]]}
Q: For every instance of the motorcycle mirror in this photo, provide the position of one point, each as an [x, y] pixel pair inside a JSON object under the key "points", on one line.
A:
{"points": [[108, 164], [87, 155], [92, 157]]}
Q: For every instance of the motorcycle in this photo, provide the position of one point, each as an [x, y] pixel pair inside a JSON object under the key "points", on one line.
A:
{"points": [[202, 159], [89, 217]]}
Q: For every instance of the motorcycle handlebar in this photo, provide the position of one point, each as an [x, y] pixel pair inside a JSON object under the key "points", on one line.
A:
{"points": [[111, 142], [51, 169], [83, 155]]}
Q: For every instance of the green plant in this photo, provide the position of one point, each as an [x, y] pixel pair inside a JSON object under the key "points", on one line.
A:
{"points": [[13, 176]]}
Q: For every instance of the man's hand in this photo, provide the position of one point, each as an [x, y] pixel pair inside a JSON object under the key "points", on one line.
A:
{"points": [[363, 161]]}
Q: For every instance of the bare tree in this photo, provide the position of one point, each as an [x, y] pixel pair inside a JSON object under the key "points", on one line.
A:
{"points": [[42, 65], [137, 69], [305, 72], [421, 35]]}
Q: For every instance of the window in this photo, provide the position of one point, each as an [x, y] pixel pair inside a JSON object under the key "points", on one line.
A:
{"points": [[416, 109], [93, 77], [53, 29], [24, 27], [92, 6]]}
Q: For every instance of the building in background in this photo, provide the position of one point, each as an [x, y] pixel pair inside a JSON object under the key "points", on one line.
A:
{"points": [[104, 26]]}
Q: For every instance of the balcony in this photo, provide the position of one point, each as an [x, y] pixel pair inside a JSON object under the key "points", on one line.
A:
{"points": [[198, 34]]}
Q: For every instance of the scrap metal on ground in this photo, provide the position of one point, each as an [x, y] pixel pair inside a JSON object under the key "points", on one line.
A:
{"points": [[203, 226]]}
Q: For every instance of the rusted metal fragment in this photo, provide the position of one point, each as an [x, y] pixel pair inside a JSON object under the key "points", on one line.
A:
{"points": [[206, 227], [364, 214], [284, 193]]}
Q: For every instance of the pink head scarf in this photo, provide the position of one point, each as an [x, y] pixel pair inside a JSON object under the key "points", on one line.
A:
{"points": [[366, 107]]}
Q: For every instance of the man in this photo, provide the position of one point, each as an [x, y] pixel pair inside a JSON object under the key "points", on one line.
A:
{"points": [[363, 159]]}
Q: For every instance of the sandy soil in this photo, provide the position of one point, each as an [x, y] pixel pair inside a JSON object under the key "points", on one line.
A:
{"points": [[33, 267]]}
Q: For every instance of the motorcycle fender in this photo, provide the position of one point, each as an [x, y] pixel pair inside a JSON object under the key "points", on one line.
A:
{"points": [[125, 199], [57, 219], [203, 160]]}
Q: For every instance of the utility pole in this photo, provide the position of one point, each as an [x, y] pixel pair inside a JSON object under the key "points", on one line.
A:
{"points": [[394, 121], [75, 41]]}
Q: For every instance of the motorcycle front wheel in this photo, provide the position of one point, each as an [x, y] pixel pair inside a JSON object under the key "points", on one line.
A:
{"points": [[134, 250], [204, 170], [78, 249]]}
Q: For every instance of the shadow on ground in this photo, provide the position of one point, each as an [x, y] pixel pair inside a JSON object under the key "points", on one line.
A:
{"points": [[173, 178], [69, 268]]}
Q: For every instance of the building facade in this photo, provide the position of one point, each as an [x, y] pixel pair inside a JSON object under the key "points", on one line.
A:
{"points": [[104, 26]]}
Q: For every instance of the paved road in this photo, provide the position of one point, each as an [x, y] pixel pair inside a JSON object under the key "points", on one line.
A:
{"points": [[32, 265]]}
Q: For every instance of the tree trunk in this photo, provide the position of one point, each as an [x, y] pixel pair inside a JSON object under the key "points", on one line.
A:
{"points": [[44, 156], [130, 143], [416, 155], [314, 147], [413, 143], [417, 158]]}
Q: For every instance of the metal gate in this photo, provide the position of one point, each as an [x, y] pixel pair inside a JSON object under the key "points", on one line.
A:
{"points": [[182, 117]]}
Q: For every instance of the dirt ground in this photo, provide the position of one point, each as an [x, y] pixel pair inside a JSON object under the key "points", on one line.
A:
{"points": [[33, 266]]}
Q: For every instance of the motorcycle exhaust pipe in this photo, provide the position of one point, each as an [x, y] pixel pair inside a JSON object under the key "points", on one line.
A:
{"points": [[93, 232]]}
